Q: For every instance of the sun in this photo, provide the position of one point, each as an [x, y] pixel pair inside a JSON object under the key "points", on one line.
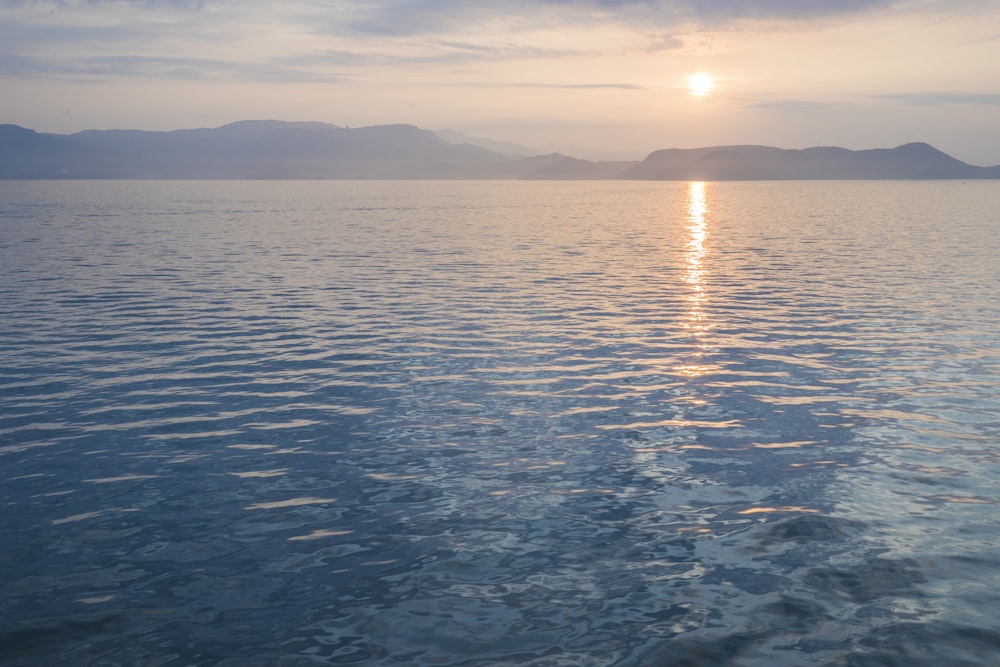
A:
{"points": [[701, 84]]}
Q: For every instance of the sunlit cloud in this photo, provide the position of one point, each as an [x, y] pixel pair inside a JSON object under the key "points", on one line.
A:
{"points": [[161, 37]]}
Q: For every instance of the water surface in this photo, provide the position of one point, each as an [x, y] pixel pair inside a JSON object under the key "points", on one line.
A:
{"points": [[470, 423]]}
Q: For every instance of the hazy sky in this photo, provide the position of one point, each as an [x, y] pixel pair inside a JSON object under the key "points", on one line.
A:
{"points": [[593, 78]]}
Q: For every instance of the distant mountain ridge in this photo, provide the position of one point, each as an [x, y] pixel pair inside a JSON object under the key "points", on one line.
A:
{"points": [[246, 149], [723, 163], [312, 150]]}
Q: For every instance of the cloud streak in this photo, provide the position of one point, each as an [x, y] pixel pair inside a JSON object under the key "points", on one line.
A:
{"points": [[411, 17], [565, 86], [416, 17], [292, 38], [941, 99], [67, 4], [797, 106]]}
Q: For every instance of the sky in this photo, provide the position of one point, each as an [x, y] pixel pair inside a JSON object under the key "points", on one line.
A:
{"points": [[597, 79]]}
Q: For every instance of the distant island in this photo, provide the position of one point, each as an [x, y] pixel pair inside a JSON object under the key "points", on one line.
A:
{"points": [[271, 149]]}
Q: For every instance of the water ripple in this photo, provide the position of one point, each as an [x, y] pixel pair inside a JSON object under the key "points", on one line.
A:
{"points": [[499, 423]]}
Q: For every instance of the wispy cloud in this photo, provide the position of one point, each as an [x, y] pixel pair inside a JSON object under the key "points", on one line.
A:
{"points": [[302, 40], [412, 17], [66, 4], [715, 11], [940, 99], [664, 43], [796, 106], [577, 86]]}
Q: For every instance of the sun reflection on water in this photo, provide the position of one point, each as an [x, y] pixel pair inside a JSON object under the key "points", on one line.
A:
{"points": [[697, 228]]}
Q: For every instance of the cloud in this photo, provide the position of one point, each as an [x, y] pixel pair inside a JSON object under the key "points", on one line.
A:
{"points": [[101, 68], [940, 99], [25, 35], [319, 40], [578, 86], [724, 11], [104, 66], [797, 106], [413, 17], [931, 99], [68, 4], [287, 42], [439, 52], [13, 64], [664, 43]]}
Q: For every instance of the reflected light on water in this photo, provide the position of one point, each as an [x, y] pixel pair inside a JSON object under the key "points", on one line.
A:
{"points": [[499, 423], [697, 228]]}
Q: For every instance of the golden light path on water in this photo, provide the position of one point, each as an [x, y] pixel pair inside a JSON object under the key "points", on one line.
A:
{"points": [[697, 228]]}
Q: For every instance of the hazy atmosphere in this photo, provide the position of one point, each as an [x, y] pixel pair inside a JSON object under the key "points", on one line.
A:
{"points": [[524, 333], [599, 79]]}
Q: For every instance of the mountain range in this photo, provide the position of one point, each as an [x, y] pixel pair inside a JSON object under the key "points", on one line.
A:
{"points": [[302, 150]]}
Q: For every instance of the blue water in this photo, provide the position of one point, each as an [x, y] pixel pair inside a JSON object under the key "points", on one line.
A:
{"points": [[471, 423]]}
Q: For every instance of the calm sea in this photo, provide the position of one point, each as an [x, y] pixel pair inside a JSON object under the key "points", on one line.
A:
{"points": [[500, 423]]}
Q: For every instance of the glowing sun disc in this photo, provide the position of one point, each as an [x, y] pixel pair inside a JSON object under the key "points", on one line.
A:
{"points": [[700, 83]]}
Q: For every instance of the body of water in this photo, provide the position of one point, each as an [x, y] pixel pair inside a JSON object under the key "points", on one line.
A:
{"points": [[499, 423]]}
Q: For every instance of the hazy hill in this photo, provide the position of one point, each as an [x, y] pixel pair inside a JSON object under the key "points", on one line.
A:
{"points": [[25, 153], [502, 147], [278, 149], [570, 168], [728, 163], [247, 149]]}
